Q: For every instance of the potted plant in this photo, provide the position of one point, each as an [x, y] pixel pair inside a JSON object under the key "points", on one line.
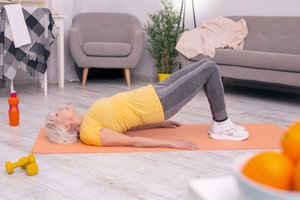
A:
{"points": [[163, 32]]}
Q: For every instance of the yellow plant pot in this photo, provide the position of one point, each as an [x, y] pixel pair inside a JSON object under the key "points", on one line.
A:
{"points": [[162, 77]]}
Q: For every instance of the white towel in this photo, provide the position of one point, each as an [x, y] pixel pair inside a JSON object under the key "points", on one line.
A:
{"points": [[218, 32], [17, 25]]}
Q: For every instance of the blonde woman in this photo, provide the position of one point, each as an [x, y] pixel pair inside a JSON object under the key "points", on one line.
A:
{"points": [[107, 120]]}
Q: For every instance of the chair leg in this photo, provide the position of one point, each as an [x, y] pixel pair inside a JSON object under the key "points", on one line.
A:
{"points": [[45, 83], [127, 77], [84, 76]]}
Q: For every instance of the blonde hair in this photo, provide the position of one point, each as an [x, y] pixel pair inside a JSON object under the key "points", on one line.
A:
{"points": [[57, 133]]}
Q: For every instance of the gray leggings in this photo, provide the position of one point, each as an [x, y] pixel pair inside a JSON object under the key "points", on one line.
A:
{"points": [[184, 84]]}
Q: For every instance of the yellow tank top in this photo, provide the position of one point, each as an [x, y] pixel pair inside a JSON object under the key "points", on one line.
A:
{"points": [[121, 112]]}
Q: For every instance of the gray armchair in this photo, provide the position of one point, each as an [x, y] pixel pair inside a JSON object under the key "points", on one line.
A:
{"points": [[106, 40]]}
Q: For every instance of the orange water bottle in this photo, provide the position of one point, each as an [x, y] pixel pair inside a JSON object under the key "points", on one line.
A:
{"points": [[13, 112]]}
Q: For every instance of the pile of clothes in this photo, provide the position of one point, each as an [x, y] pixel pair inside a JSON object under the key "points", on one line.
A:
{"points": [[218, 32]]}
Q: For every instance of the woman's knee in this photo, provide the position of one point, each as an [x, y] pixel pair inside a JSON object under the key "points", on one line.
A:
{"points": [[212, 66]]}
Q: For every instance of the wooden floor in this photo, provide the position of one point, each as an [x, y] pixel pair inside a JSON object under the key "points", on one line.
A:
{"points": [[117, 176]]}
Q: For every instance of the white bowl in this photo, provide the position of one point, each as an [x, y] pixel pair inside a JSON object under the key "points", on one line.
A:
{"points": [[252, 190]]}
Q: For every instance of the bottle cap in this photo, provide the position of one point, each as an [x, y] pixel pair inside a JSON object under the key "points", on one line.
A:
{"points": [[13, 94]]}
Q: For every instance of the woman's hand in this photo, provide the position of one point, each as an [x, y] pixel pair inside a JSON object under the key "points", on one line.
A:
{"points": [[169, 124], [183, 144]]}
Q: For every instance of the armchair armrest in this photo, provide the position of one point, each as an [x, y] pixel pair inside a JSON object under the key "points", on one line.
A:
{"points": [[137, 43], [75, 44]]}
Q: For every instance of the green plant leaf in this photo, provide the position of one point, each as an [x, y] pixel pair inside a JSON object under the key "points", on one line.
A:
{"points": [[163, 31]]}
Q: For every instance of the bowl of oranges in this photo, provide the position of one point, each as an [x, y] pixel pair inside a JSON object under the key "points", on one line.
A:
{"points": [[272, 175]]}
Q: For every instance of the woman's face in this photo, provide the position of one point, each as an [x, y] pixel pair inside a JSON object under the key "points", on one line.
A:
{"points": [[65, 113]]}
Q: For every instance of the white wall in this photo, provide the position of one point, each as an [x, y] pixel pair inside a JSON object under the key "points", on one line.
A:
{"points": [[205, 9]]}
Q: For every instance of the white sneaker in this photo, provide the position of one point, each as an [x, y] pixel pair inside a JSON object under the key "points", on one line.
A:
{"points": [[227, 130]]}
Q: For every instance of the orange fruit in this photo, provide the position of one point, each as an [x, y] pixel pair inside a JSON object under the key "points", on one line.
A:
{"points": [[291, 142], [297, 178], [272, 169]]}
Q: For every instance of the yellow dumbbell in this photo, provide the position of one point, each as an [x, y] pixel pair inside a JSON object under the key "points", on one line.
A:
{"points": [[21, 163], [32, 169]]}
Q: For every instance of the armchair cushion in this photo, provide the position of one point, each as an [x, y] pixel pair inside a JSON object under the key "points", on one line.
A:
{"points": [[106, 49]]}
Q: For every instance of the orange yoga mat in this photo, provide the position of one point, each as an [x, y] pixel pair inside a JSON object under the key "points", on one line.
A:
{"points": [[262, 136]]}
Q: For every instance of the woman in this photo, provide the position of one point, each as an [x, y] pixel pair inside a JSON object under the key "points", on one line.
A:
{"points": [[147, 107]]}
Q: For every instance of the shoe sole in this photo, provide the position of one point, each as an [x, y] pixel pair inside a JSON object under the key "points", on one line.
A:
{"points": [[226, 137]]}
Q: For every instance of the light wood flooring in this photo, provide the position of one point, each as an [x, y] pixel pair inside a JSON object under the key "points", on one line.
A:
{"points": [[115, 176]]}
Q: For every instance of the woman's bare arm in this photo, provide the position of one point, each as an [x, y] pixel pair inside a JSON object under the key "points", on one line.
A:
{"points": [[164, 124], [111, 138]]}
